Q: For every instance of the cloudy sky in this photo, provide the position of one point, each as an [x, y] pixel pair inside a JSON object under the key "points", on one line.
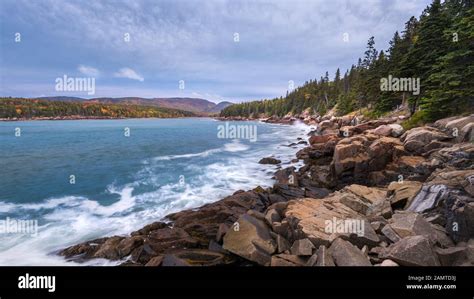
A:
{"points": [[223, 50]]}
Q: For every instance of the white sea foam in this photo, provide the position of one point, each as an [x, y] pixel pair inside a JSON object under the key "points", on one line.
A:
{"points": [[234, 146]]}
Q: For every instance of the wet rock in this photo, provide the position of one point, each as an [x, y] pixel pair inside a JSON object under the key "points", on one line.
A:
{"points": [[251, 240], [269, 160], [82, 251], [162, 240], [144, 231], [287, 176], [203, 223], [109, 249], [346, 254], [413, 251], [127, 245], [143, 254]]}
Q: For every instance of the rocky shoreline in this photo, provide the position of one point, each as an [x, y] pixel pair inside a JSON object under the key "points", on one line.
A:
{"points": [[369, 194]]}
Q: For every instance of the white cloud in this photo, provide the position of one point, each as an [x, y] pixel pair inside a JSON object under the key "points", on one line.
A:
{"points": [[88, 70], [129, 73], [279, 40]]}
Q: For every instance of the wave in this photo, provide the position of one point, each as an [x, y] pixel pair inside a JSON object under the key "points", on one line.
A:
{"points": [[234, 146]]}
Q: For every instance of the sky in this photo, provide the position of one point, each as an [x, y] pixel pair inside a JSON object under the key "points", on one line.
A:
{"points": [[218, 50]]}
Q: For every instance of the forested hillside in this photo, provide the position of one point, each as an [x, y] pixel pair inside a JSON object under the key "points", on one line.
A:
{"points": [[437, 49], [32, 108]]}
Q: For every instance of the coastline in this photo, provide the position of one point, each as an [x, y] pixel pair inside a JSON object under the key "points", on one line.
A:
{"points": [[92, 118], [276, 216]]}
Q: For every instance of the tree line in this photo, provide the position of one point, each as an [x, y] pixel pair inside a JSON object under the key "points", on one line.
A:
{"points": [[30, 108], [437, 50]]}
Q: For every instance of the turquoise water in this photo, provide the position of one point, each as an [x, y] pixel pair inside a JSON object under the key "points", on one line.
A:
{"points": [[86, 179]]}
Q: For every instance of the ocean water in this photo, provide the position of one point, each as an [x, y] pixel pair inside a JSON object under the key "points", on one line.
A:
{"points": [[84, 179]]}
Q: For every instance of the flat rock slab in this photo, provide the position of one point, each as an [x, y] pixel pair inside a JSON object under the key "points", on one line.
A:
{"points": [[250, 238]]}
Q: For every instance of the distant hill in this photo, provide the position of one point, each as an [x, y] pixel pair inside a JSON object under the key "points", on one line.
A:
{"points": [[219, 107], [195, 105]]}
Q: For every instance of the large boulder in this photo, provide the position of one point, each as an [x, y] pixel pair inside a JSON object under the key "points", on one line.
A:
{"points": [[302, 247], [406, 223], [203, 223], [339, 215], [397, 130], [369, 201], [413, 251], [250, 238], [460, 156], [355, 156], [383, 130], [346, 254], [315, 139], [415, 140]]}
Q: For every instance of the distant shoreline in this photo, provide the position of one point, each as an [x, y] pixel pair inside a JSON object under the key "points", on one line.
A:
{"points": [[91, 118]]}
